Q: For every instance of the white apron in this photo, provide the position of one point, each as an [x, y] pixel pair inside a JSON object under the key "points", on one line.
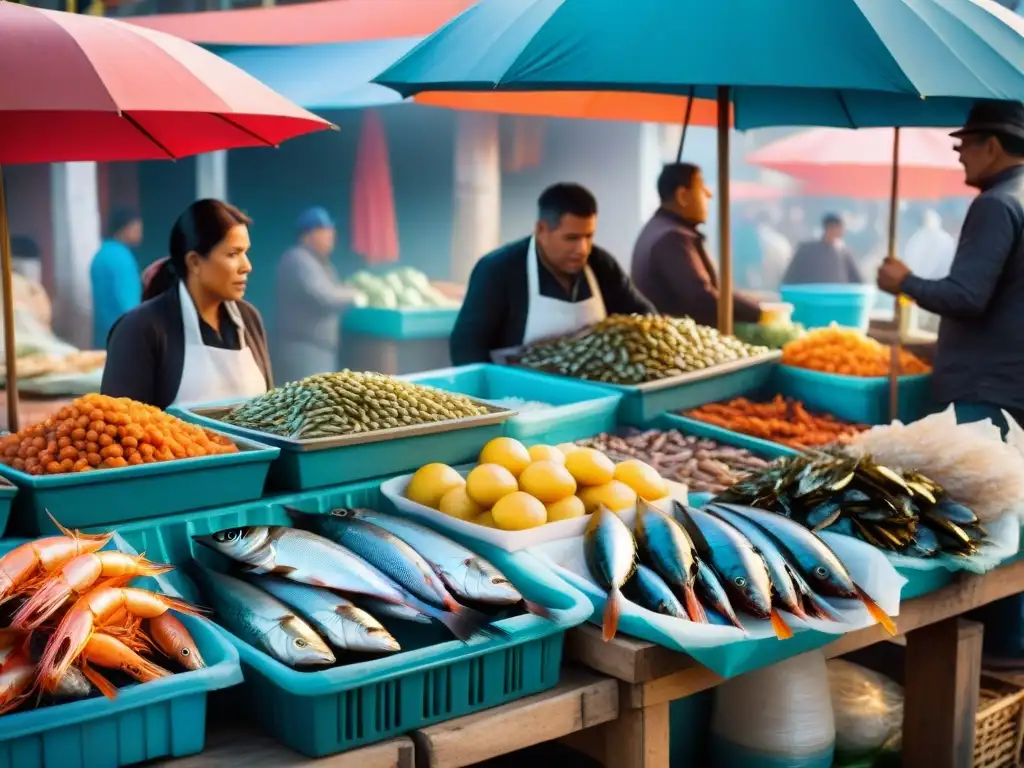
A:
{"points": [[211, 374], [547, 317]]}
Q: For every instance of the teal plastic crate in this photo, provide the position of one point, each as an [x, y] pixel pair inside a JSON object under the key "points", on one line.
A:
{"points": [[400, 324], [819, 305], [322, 713], [579, 409], [162, 719], [857, 399], [8, 492], [108, 497], [303, 470]]}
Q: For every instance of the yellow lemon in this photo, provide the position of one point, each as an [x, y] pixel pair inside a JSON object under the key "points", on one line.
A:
{"points": [[519, 511], [489, 482], [548, 481], [486, 520], [566, 509], [506, 452], [614, 495], [431, 482], [547, 453], [590, 467], [456, 503], [642, 478], [567, 448]]}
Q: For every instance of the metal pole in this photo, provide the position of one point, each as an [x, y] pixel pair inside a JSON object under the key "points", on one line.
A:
{"points": [[894, 202], [686, 126], [724, 228], [10, 351]]}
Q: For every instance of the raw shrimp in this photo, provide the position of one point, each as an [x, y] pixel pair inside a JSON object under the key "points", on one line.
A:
{"points": [[92, 610], [25, 562], [174, 641], [15, 679], [77, 576], [109, 652]]}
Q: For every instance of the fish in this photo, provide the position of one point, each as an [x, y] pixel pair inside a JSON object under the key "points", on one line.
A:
{"points": [[610, 553], [740, 566], [263, 621], [709, 585], [467, 575], [174, 641], [382, 610], [647, 589], [72, 685], [669, 551], [819, 566], [780, 572], [340, 622]]}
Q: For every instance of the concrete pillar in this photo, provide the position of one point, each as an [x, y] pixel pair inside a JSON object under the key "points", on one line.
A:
{"points": [[477, 219], [76, 238], [212, 175]]}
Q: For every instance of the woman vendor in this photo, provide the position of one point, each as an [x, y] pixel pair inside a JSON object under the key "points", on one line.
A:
{"points": [[193, 339]]}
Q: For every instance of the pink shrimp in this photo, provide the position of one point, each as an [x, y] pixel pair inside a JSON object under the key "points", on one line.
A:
{"points": [[77, 576], [106, 651], [33, 559], [92, 610], [15, 679]]}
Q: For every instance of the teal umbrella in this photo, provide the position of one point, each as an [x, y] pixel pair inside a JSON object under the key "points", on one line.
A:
{"points": [[846, 63]]}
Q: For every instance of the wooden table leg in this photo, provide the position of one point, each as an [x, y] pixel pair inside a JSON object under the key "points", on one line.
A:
{"points": [[943, 675], [638, 738]]}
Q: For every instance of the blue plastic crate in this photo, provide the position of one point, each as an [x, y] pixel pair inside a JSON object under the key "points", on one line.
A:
{"points": [[580, 409], [8, 492], [108, 497], [400, 324], [162, 719], [819, 305], [321, 713], [857, 399], [299, 470]]}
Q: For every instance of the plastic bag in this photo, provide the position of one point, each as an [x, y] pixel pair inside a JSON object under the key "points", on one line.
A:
{"points": [[868, 709], [780, 715]]}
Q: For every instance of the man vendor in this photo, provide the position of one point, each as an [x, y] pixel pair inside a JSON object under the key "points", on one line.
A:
{"points": [[552, 283], [670, 263], [979, 356]]}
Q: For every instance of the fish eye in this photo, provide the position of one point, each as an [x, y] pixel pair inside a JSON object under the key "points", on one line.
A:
{"points": [[821, 572], [234, 535], [300, 643], [739, 581], [185, 652]]}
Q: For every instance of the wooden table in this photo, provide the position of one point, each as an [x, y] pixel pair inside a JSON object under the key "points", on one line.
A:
{"points": [[942, 672]]}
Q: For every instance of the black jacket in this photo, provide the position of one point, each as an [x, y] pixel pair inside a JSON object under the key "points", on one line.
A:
{"points": [[146, 350], [980, 353], [493, 314]]}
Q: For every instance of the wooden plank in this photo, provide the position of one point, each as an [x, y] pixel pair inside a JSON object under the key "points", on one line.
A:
{"points": [[582, 700], [638, 738], [624, 658], [943, 676], [967, 592], [230, 747]]}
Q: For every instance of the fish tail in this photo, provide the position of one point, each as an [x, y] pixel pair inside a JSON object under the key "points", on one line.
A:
{"points": [[612, 611], [464, 624], [782, 630], [694, 609], [876, 612], [539, 610]]}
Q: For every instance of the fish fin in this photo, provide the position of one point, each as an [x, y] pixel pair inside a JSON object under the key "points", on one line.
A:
{"points": [[694, 609], [297, 514], [104, 537], [818, 608], [797, 610], [876, 612], [612, 611], [782, 630], [103, 685], [464, 624], [539, 610]]}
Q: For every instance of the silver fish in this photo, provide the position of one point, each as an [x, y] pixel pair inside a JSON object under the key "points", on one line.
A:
{"points": [[465, 573], [382, 610], [709, 585], [610, 553], [73, 684], [647, 588], [342, 623], [262, 621]]}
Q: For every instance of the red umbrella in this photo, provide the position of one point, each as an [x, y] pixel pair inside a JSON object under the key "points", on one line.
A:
{"points": [[374, 230], [845, 163], [82, 87]]}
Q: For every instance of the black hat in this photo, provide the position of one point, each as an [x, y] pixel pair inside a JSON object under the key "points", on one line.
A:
{"points": [[1004, 118]]}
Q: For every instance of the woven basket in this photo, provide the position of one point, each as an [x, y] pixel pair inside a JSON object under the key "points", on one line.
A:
{"points": [[999, 724]]}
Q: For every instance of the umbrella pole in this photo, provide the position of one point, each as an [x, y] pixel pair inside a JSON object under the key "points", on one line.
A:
{"points": [[10, 353], [724, 225], [894, 362], [686, 126]]}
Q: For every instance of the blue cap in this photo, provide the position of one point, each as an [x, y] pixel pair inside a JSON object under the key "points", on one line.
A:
{"points": [[314, 218]]}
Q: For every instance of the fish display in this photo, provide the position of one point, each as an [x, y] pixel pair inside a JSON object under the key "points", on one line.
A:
{"points": [[345, 582], [901, 512], [723, 561], [74, 628]]}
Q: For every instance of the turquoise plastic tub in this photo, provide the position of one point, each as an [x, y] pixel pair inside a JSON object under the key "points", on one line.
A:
{"points": [[299, 470], [857, 399], [580, 409], [108, 497], [817, 305], [8, 492], [162, 719], [322, 713], [400, 324]]}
